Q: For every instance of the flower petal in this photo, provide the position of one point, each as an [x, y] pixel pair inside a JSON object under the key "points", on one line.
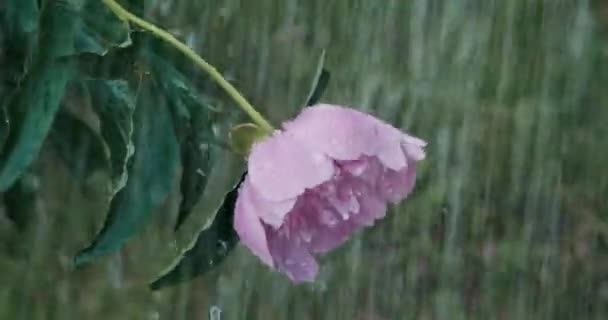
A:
{"points": [[329, 227], [281, 168], [413, 151], [347, 134], [394, 186], [372, 206], [292, 258], [271, 212], [414, 140], [248, 225], [372, 209]]}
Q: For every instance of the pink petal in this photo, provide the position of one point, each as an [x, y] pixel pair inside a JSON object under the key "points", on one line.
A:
{"points": [[331, 213], [329, 227], [355, 167], [372, 205], [407, 139], [249, 227], [271, 212], [347, 134], [328, 238], [396, 185], [292, 258], [413, 151], [281, 168], [372, 208]]}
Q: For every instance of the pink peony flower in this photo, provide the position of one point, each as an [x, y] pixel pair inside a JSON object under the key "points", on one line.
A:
{"points": [[328, 173]]}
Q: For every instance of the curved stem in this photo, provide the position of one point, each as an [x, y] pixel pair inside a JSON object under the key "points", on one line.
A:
{"points": [[125, 15]]}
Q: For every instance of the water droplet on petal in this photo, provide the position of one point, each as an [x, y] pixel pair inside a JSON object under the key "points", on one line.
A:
{"points": [[328, 218], [353, 205], [340, 206], [284, 232], [356, 168], [344, 214], [306, 235]]}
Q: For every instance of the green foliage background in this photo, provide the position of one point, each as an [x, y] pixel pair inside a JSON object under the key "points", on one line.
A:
{"points": [[509, 219]]}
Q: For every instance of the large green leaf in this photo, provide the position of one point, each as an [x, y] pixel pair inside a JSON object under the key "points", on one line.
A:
{"points": [[178, 88], [151, 175], [99, 30], [196, 161], [20, 201], [194, 128], [161, 56], [4, 126], [19, 21], [20, 16], [33, 107], [77, 145], [193, 124], [115, 65], [209, 249], [19, 24], [114, 103]]}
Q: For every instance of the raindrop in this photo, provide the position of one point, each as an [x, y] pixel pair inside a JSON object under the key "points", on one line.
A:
{"points": [[203, 146], [353, 204], [306, 235], [357, 169], [154, 315], [215, 313], [327, 218], [222, 247]]}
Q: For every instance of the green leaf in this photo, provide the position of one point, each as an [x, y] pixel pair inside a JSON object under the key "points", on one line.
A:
{"points": [[196, 160], [209, 249], [4, 126], [32, 108], [320, 82], [151, 174], [162, 57], [134, 6], [19, 24], [193, 123], [114, 103], [99, 30], [116, 64], [176, 86], [21, 16], [59, 22], [20, 201], [77, 145]]}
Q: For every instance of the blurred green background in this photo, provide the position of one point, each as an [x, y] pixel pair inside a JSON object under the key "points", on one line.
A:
{"points": [[509, 218]]}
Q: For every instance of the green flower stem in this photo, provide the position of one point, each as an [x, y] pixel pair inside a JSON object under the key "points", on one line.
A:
{"points": [[127, 16]]}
